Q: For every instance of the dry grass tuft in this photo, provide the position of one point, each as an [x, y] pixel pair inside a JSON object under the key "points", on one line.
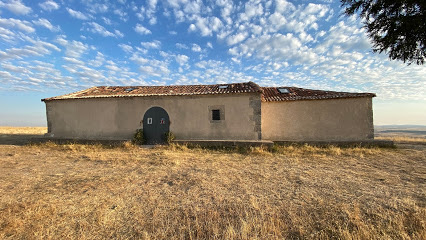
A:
{"points": [[80, 191]]}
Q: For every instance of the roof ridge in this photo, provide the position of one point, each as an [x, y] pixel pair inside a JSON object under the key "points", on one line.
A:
{"points": [[178, 85], [268, 94]]}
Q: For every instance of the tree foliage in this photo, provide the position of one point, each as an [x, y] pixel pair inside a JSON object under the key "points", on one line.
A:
{"points": [[396, 27]]}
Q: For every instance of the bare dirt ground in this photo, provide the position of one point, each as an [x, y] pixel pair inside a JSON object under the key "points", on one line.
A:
{"points": [[76, 191]]}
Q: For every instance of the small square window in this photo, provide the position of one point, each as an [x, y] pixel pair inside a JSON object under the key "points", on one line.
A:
{"points": [[215, 114]]}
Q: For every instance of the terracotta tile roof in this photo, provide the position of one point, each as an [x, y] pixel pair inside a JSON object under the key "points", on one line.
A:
{"points": [[140, 91], [271, 94]]}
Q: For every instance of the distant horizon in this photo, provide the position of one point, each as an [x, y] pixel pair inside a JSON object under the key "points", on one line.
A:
{"points": [[386, 125]]}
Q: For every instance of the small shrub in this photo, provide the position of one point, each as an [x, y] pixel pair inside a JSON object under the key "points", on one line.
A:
{"points": [[169, 137], [138, 138]]}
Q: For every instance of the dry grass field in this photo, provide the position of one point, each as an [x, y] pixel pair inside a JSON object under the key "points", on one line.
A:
{"points": [[23, 130], [74, 191]]}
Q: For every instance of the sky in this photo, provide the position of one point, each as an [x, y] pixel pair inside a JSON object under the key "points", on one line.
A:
{"points": [[54, 47]]}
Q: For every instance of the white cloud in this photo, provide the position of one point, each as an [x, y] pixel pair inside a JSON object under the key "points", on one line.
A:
{"points": [[126, 48], [16, 6], [153, 21], [77, 14], [49, 5], [321, 33], [206, 26], [193, 7], [16, 23], [148, 12], [122, 14], [149, 70], [139, 60], [96, 28], [174, 3], [304, 37], [141, 29], [182, 59], [39, 48], [310, 15], [226, 11], [277, 46], [192, 28], [7, 35], [118, 33], [277, 21], [73, 60], [203, 25], [346, 36], [46, 44], [252, 9], [154, 44], [234, 39], [314, 9], [73, 48], [152, 3], [45, 23], [151, 67], [107, 21], [4, 74], [284, 6], [98, 61], [112, 66], [196, 48], [12, 68], [97, 7], [181, 46], [88, 74]]}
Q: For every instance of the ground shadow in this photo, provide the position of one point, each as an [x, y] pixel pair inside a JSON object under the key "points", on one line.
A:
{"points": [[20, 139]]}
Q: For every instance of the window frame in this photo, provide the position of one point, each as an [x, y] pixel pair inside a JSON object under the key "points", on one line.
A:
{"points": [[221, 109]]}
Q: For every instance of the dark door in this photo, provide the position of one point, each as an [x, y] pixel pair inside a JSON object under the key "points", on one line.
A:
{"points": [[155, 125]]}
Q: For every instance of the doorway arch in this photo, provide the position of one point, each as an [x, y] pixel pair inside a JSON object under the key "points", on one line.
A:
{"points": [[156, 124]]}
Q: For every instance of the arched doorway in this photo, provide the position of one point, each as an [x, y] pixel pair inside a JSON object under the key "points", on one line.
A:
{"points": [[155, 125]]}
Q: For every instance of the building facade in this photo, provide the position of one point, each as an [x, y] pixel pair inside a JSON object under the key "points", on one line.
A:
{"points": [[238, 111]]}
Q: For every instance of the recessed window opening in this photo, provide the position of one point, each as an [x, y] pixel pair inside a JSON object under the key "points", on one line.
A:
{"points": [[283, 90], [215, 114], [223, 87], [129, 89]]}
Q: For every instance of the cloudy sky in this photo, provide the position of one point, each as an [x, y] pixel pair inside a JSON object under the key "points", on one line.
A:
{"points": [[53, 47]]}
